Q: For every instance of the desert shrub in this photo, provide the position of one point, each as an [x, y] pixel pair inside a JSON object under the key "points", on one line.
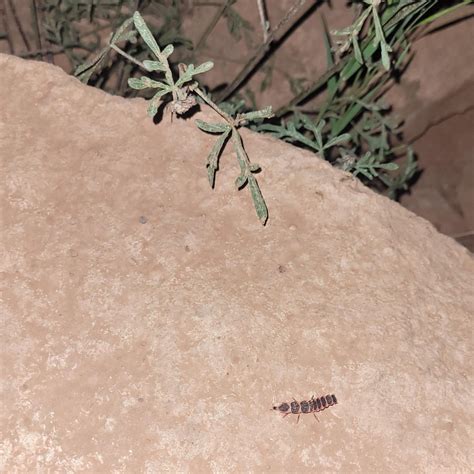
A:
{"points": [[341, 115]]}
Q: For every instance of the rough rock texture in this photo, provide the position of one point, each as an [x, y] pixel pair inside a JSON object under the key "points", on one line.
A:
{"points": [[435, 95], [150, 324]]}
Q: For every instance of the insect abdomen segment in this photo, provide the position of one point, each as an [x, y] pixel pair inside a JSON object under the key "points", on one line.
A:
{"points": [[304, 407]]}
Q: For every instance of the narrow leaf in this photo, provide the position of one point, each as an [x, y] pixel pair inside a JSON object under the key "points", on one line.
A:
{"points": [[146, 34], [379, 35], [168, 51], [204, 67], [336, 140], [213, 158], [152, 109], [154, 65], [136, 83], [257, 114], [185, 76], [154, 103], [258, 201], [240, 181], [145, 82], [212, 127], [385, 56], [357, 52], [190, 71], [85, 71], [333, 81], [128, 36], [119, 34], [389, 166]]}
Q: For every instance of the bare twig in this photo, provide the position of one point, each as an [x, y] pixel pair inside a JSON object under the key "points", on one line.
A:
{"points": [[125, 55], [53, 50], [212, 24], [275, 35], [462, 234], [35, 24], [263, 19], [289, 19], [214, 106], [3, 15], [311, 89], [36, 52], [18, 25]]}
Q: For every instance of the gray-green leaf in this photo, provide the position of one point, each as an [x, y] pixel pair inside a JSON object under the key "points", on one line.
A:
{"points": [[336, 140], [240, 181], [145, 82], [389, 166], [146, 34], [154, 103], [168, 51], [85, 71], [119, 34], [258, 201], [257, 114], [190, 71], [204, 67], [212, 127], [213, 158], [154, 65]]}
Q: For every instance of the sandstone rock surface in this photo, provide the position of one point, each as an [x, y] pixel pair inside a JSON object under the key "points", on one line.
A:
{"points": [[149, 324]]}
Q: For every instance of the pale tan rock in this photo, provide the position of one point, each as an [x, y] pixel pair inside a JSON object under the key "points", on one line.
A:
{"points": [[150, 324]]}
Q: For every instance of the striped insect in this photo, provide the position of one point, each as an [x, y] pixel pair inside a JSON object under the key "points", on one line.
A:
{"points": [[306, 406]]}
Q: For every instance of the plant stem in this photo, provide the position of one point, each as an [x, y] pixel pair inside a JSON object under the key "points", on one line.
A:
{"points": [[18, 25], [214, 106], [242, 156], [275, 35], [212, 24], [53, 51], [235, 134], [263, 19], [35, 24], [125, 55], [3, 15], [312, 88]]}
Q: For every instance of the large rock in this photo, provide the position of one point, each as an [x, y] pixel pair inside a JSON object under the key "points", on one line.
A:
{"points": [[150, 324]]}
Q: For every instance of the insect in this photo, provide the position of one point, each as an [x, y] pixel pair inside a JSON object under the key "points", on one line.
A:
{"points": [[306, 406]]}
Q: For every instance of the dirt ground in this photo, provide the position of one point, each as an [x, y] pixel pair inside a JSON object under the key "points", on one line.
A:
{"points": [[150, 324]]}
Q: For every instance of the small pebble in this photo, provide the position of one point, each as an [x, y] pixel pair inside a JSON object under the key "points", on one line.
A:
{"points": [[143, 220]]}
